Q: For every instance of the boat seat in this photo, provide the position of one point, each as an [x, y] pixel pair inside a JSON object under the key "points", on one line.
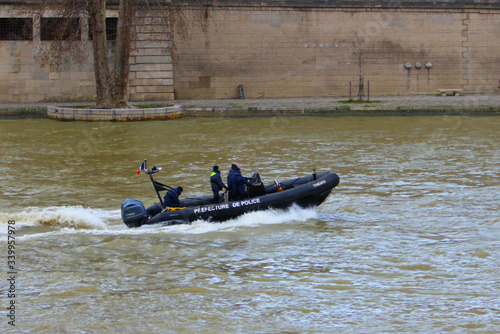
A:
{"points": [[256, 190]]}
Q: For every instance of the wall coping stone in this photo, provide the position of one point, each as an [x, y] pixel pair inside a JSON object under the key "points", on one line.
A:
{"points": [[402, 4]]}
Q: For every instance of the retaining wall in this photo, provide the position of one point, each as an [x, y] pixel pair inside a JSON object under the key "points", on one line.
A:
{"points": [[286, 52], [116, 115], [280, 49]]}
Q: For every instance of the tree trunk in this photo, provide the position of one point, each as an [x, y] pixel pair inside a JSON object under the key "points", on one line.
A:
{"points": [[361, 91], [103, 80], [122, 54], [111, 75], [111, 86]]}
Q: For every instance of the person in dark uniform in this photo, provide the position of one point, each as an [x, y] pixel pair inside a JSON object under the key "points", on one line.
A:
{"points": [[172, 198], [216, 183], [238, 183], [233, 169]]}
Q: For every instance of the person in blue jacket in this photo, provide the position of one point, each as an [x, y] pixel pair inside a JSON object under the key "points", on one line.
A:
{"points": [[216, 183], [233, 169], [172, 198], [238, 183]]}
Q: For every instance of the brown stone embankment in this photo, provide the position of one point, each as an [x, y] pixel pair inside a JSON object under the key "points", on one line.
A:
{"points": [[278, 49], [282, 52]]}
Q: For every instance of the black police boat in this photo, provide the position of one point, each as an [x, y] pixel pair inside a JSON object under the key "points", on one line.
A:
{"points": [[306, 191]]}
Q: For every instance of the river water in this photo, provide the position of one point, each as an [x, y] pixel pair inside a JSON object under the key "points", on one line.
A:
{"points": [[409, 242]]}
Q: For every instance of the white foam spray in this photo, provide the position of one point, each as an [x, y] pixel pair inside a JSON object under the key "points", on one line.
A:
{"points": [[59, 217], [251, 219], [75, 220]]}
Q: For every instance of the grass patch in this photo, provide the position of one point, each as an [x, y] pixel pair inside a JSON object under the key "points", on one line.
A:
{"points": [[27, 109], [152, 106], [352, 101]]}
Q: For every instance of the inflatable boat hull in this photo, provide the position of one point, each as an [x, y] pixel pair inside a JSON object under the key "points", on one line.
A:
{"points": [[304, 192]]}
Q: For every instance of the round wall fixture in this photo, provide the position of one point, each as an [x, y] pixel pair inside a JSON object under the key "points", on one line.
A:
{"points": [[428, 64], [418, 65], [408, 65]]}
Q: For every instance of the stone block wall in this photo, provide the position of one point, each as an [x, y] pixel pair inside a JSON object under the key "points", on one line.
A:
{"points": [[28, 73], [408, 4], [26, 77], [280, 48], [151, 73], [286, 52], [481, 52]]}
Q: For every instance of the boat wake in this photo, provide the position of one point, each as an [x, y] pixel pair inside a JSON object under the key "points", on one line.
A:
{"points": [[59, 217], [35, 222], [250, 219]]}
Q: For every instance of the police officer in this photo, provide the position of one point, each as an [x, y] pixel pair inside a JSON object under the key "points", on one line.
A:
{"points": [[216, 183], [238, 183], [230, 175], [172, 198]]}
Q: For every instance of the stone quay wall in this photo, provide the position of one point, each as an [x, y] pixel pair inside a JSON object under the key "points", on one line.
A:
{"points": [[31, 71], [279, 49], [287, 52]]}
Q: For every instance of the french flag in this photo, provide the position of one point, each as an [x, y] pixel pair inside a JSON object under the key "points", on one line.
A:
{"points": [[143, 167]]}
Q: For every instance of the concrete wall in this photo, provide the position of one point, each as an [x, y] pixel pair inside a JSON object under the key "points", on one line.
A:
{"points": [[285, 52]]}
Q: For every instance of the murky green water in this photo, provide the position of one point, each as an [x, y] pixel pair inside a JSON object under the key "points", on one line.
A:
{"points": [[408, 242]]}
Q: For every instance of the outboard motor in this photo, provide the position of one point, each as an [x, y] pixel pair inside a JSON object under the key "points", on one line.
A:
{"points": [[133, 212]]}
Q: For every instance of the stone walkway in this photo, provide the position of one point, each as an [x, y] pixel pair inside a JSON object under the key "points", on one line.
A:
{"points": [[423, 103], [230, 107]]}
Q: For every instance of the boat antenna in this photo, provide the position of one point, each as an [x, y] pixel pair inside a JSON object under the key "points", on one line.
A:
{"points": [[157, 185]]}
